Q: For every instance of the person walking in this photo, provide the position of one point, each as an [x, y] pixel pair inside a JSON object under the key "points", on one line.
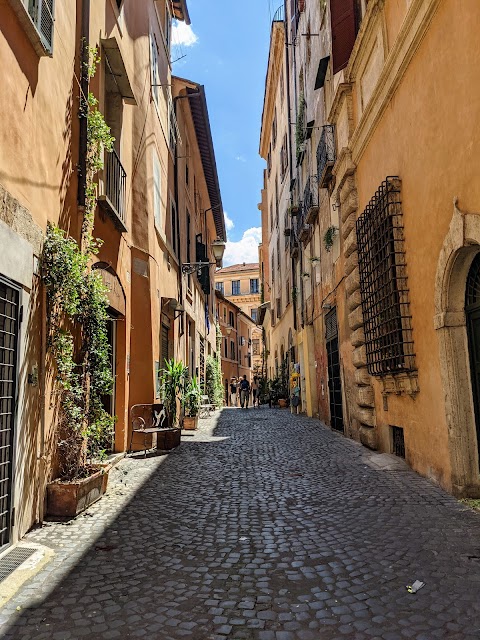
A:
{"points": [[255, 392], [244, 392], [233, 392]]}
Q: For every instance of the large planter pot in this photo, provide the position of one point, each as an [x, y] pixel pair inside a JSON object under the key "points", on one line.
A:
{"points": [[190, 423], [282, 403], [68, 499], [169, 440]]}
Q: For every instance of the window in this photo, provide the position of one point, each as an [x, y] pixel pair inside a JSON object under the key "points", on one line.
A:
{"points": [[271, 215], [235, 287], [269, 160], [175, 223], [168, 26], [256, 347], [274, 129], [284, 158], [232, 350], [189, 247], [276, 199], [272, 271], [254, 285], [219, 287], [154, 72], [278, 254], [383, 283], [282, 87], [157, 191], [279, 307], [231, 319], [225, 344], [225, 314], [42, 14], [253, 313], [288, 292], [344, 31]]}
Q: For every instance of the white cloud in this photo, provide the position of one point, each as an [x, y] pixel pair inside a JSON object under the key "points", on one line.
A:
{"points": [[229, 224], [245, 250], [240, 158], [183, 35]]}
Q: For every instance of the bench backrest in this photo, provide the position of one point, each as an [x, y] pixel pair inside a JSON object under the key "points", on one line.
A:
{"points": [[148, 416]]}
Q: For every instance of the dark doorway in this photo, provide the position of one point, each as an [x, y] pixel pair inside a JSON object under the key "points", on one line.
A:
{"points": [[472, 312], [334, 378], [9, 329], [108, 401]]}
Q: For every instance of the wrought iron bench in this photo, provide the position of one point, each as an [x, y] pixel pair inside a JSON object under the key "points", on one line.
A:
{"points": [[149, 419], [206, 407]]}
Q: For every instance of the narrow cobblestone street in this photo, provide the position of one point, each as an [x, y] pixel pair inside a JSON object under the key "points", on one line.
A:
{"points": [[261, 526]]}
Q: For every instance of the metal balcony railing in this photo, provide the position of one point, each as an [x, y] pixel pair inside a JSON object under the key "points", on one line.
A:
{"points": [[279, 14], [310, 201], [326, 155], [114, 190]]}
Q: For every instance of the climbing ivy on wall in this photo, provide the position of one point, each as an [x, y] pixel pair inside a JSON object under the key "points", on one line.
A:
{"points": [[77, 319]]}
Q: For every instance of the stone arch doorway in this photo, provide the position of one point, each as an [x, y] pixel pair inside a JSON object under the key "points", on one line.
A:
{"points": [[460, 251], [472, 316]]}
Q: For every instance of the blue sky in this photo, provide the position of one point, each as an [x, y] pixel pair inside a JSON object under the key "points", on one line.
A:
{"points": [[226, 50]]}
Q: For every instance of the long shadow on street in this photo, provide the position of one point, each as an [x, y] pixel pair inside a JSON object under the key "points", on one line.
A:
{"points": [[266, 527]]}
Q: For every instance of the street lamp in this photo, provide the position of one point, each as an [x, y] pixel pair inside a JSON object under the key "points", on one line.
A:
{"points": [[218, 249]]}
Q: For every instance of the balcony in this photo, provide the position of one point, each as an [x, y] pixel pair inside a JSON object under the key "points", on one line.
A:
{"points": [[303, 229], [310, 201], [326, 155], [294, 248], [113, 190], [279, 14]]}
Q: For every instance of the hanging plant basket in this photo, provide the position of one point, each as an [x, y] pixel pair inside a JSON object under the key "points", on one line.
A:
{"points": [[329, 237]]}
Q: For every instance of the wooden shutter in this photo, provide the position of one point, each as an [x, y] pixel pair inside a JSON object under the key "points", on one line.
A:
{"points": [[344, 31]]}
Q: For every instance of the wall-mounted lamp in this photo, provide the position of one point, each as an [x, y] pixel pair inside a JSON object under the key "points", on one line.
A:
{"points": [[218, 249]]}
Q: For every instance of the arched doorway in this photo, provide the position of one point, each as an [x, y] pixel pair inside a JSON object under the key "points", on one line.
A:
{"points": [[472, 316]]}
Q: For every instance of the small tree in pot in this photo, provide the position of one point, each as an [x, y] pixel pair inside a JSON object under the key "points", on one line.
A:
{"points": [[191, 403], [173, 385]]}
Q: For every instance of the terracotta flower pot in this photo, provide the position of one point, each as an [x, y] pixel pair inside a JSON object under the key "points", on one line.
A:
{"points": [[190, 423], [68, 499], [282, 403]]}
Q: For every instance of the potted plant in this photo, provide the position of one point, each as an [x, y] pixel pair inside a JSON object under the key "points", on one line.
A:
{"points": [[191, 403], [294, 209], [172, 385], [329, 237]]}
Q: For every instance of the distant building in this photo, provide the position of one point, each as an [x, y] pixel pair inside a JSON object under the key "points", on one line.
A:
{"points": [[237, 336], [241, 284]]}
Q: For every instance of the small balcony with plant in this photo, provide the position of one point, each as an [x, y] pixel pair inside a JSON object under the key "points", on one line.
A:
{"points": [[326, 155]]}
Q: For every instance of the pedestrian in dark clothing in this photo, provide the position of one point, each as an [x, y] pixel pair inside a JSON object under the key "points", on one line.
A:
{"points": [[244, 392]]}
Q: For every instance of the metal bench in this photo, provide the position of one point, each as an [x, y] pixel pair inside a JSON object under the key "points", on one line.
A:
{"points": [[148, 419], [206, 407]]}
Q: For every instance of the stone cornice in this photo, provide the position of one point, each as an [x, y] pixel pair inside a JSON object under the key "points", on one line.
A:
{"points": [[408, 40], [277, 42], [344, 89]]}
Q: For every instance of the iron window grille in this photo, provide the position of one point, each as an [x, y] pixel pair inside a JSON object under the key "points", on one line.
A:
{"points": [[326, 155], [383, 283], [310, 201], [42, 14]]}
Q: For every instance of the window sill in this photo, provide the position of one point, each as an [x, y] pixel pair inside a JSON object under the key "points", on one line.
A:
{"points": [[33, 35]]}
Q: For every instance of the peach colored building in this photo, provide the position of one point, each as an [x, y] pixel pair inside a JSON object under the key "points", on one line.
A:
{"points": [[241, 284], [159, 208], [384, 234], [238, 330]]}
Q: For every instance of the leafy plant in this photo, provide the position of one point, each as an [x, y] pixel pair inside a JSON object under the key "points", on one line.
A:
{"points": [[192, 397], [300, 130], [213, 381], [329, 237], [77, 317], [173, 385]]}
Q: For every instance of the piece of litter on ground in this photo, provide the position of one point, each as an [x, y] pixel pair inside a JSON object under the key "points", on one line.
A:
{"points": [[243, 539], [416, 586]]}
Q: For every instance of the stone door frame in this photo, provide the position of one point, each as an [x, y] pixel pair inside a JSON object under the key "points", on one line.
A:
{"points": [[461, 245]]}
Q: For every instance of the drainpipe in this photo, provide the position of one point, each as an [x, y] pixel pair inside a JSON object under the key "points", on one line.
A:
{"points": [[289, 112], [84, 60], [175, 195]]}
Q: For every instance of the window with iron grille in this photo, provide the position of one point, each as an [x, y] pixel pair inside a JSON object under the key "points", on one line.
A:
{"points": [[42, 14], [383, 283]]}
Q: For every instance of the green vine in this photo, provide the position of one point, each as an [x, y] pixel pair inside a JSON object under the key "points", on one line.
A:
{"points": [[329, 237], [300, 130], [77, 319], [213, 373]]}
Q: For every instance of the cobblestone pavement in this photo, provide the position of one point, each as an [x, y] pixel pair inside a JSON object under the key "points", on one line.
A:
{"points": [[263, 527]]}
